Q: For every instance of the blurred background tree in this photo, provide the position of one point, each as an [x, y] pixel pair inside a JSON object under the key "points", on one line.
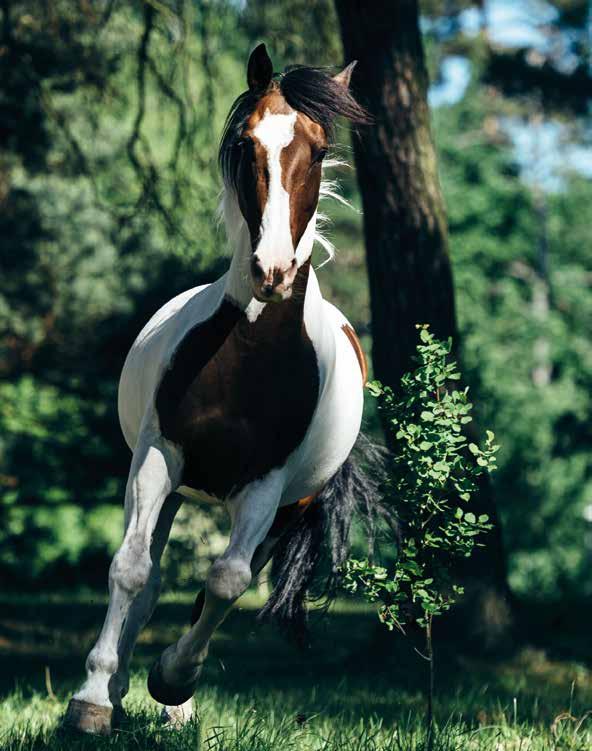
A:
{"points": [[514, 156], [406, 239], [109, 119]]}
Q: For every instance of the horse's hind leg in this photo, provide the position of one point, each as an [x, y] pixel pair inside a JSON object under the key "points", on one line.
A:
{"points": [[174, 676], [155, 472], [286, 518]]}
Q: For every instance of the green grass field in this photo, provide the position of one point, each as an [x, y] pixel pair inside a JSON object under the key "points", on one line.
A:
{"points": [[357, 688]]}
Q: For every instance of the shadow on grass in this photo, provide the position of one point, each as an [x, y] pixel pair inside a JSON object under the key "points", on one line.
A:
{"points": [[353, 668]]}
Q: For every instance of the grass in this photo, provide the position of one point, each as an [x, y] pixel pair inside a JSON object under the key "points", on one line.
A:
{"points": [[356, 688]]}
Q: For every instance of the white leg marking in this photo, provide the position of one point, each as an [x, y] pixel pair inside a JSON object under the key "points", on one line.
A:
{"points": [[252, 514], [144, 604], [155, 472]]}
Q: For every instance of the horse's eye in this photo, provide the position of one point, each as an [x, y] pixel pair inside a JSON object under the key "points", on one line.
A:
{"points": [[318, 156]]}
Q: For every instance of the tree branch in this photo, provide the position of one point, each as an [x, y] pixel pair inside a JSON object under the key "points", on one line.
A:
{"points": [[141, 84]]}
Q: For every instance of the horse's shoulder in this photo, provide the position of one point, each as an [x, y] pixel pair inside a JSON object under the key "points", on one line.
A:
{"points": [[153, 350], [179, 314]]}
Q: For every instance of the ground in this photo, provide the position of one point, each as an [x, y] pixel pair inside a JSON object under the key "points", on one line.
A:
{"points": [[357, 688]]}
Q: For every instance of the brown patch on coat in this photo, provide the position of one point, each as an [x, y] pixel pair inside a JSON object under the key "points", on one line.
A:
{"points": [[355, 343], [239, 396], [301, 164]]}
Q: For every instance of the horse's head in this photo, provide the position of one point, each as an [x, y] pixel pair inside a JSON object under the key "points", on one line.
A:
{"points": [[276, 137]]}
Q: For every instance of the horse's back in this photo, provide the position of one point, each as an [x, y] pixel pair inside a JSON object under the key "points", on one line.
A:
{"points": [[153, 349]]}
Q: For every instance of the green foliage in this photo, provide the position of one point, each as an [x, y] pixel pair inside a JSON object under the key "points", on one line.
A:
{"points": [[544, 483], [433, 477], [93, 243], [108, 188], [49, 447], [304, 32]]}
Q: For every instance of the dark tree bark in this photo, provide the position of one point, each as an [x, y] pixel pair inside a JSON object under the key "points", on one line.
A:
{"points": [[405, 229]]}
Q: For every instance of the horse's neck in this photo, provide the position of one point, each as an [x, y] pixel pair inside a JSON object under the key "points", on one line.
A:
{"points": [[271, 325]]}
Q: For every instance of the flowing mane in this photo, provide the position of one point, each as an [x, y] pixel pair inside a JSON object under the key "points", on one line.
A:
{"points": [[312, 91]]}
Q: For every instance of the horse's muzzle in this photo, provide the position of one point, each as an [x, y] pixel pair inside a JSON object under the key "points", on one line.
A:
{"points": [[274, 284]]}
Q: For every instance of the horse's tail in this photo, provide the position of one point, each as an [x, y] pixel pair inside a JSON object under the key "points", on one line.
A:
{"points": [[308, 559]]}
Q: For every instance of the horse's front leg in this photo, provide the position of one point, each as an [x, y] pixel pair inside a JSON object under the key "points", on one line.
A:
{"points": [[155, 472], [143, 606], [174, 676]]}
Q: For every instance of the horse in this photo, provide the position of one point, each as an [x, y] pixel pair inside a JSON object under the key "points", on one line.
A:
{"points": [[246, 392]]}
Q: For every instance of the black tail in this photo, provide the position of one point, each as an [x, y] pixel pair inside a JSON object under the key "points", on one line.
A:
{"points": [[321, 540]]}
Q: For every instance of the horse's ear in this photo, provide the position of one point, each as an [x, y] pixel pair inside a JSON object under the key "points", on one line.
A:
{"points": [[344, 77], [259, 69]]}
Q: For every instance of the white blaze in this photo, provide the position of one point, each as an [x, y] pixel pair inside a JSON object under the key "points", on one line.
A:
{"points": [[274, 133]]}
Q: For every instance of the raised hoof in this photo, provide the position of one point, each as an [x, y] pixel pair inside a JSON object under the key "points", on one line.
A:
{"points": [[92, 718], [165, 693]]}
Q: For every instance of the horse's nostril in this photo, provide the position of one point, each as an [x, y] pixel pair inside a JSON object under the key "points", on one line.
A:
{"points": [[293, 262]]}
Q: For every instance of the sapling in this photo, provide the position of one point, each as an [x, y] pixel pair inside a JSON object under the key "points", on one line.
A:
{"points": [[431, 480]]}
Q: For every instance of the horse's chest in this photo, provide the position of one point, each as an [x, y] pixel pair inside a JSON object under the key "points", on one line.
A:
{"points": [[238, 398]]}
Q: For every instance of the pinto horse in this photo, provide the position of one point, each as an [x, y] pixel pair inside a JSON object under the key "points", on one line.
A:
{"points": [[246, 392]]}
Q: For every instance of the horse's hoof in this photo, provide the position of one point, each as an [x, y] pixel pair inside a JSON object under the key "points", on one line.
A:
{"points": [[164, 692], [92, 718]]}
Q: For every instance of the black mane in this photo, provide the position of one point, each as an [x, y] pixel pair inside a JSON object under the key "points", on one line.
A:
{"points": [[312, 91]]}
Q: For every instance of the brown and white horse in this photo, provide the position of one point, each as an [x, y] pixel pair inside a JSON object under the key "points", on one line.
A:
{"points": [[246, 392]]}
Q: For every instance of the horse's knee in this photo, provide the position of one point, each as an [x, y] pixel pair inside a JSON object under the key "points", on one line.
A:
{"points": [[228, 578], [131, 567]]}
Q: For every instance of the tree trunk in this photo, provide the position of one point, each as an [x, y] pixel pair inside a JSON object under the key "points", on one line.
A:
{"points": [[405, 230]]}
